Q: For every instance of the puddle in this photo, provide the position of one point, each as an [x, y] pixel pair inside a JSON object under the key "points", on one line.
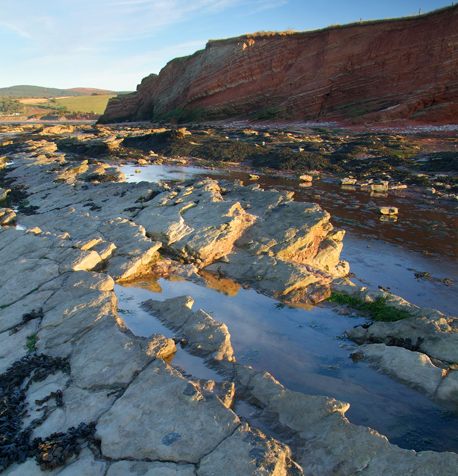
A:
{"points": [[159, 173], [143, 324], [387, 265], [303, 350]]}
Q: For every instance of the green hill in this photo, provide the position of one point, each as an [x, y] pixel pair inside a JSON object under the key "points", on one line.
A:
{"points": [[25, 91]]}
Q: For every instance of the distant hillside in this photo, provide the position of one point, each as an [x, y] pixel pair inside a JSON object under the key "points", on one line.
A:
{"points": [[89, 91], [42, 92]]}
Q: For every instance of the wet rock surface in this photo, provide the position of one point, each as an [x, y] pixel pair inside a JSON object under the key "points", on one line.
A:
{"points": [[82, 394]]}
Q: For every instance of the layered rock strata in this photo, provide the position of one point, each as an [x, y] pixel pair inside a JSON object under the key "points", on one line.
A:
{"points": [[255, 234], [363, 72]]}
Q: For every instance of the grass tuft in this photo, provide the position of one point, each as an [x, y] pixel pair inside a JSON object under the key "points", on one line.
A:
{"points": [[377, 310]]}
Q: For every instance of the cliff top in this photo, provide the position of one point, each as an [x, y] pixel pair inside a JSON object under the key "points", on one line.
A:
{"points": [[269, 34]]}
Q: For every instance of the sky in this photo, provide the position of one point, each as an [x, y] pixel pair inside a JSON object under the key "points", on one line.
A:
{"points": [[113, 44]]}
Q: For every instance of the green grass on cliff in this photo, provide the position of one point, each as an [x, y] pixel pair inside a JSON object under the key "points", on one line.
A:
{"points": [[268, 34]]}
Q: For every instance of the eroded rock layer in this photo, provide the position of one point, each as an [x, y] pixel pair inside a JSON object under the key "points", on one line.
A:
{"points": [[372, 71]]}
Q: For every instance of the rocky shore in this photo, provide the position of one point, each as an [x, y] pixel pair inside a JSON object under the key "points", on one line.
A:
{"points": [[83, 395]]}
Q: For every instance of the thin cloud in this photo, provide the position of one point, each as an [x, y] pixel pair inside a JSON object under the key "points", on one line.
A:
{"points": [[115, 41], [96, 21]]}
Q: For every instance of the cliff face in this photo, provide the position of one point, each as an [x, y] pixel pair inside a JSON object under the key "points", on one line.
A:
{"points": [[405, 68]]}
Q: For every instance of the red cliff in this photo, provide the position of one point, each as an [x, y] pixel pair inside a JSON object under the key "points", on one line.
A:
{"points": [[365, 72]]}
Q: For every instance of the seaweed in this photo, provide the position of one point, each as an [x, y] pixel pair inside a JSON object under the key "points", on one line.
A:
{"points": [[101, 178], [15, 444]]}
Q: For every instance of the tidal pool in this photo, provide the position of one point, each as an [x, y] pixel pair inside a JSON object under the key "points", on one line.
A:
{"points": [[305, 349], [423, 239]]}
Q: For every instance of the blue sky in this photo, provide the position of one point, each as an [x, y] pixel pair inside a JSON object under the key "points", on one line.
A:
{"points": [[114, 44]]}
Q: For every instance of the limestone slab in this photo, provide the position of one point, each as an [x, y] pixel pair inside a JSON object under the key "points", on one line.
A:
{"points": [[175, 421], [109, 354], [22, 276], [249, 452], [13, 347], [12, 315], [413, 368], [155, 468]]}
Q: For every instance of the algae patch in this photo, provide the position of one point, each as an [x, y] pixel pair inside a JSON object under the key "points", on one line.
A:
{"points": [[377, 310]]}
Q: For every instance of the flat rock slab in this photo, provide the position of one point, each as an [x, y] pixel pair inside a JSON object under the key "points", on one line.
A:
{"points": [[249, 452], [438, 331], [29, 468], [412, 368], [72, 316], [109, 354], [155, 468], [22, 276], [163, 416], [11, 316], [85, 465], [80, 406], [13, 347], [335, 446], [296, 410]]}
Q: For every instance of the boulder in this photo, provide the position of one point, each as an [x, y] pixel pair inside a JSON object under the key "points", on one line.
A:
{"points": [[388, 210], [306, 178]]}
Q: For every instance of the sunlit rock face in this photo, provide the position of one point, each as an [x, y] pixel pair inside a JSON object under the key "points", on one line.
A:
{"points": [[374, 71]]}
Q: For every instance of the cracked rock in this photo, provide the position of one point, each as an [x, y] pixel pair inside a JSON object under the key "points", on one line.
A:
{"points": [[176, 422], [248, 451]]}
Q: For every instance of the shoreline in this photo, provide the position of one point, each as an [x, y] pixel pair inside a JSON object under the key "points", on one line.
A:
{"points": [[107, 231]]}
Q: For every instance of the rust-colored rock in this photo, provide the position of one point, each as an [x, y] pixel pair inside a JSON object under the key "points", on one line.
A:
{"points": [[364, 72]]}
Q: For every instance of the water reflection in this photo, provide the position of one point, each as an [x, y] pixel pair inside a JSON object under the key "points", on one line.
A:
{"points": [[302, 348], [306, 352], [423, 237]]}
